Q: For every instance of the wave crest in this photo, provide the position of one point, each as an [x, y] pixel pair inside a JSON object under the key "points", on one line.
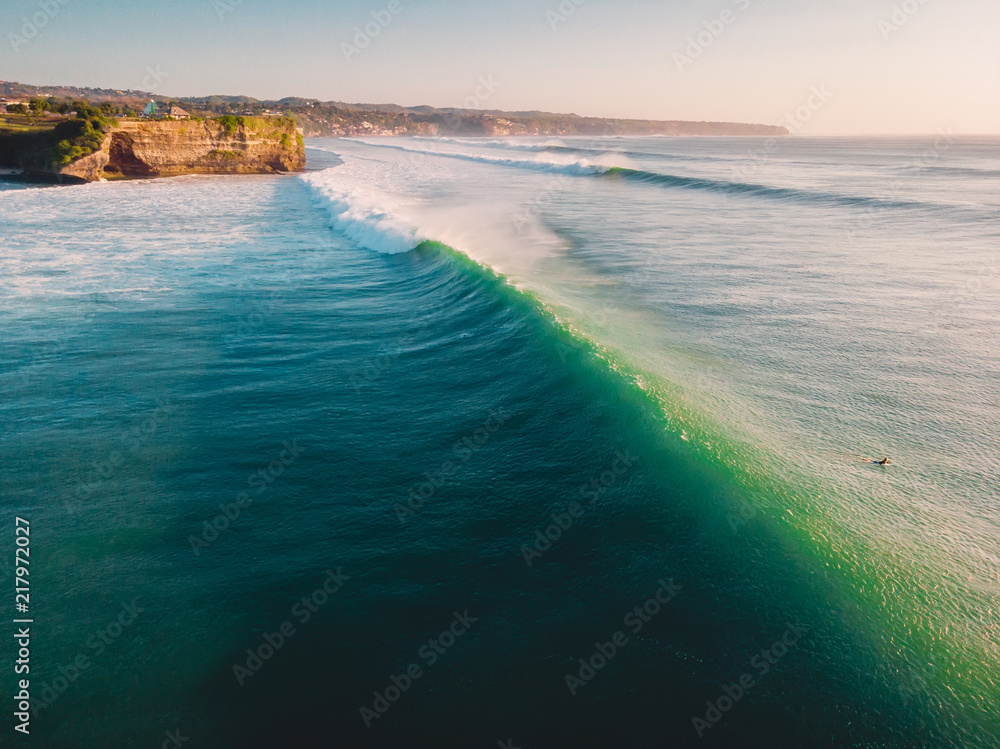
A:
{"points": [[363, 217]]}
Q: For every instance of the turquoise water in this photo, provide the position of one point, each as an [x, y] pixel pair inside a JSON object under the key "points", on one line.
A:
{"points": [[401, 369]]}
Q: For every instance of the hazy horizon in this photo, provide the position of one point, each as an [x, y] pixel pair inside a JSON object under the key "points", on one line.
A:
{"points": [[888, 68]]}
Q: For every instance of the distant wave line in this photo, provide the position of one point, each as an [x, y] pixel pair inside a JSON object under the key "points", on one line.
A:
{"points": [[749, 189]]}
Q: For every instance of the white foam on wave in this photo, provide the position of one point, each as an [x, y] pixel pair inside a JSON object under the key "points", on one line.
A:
{"points": [[391, 202], [94, 241], [363, 215]]}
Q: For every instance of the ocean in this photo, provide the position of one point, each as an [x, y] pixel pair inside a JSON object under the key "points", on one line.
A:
{"points": [[526, 442]]}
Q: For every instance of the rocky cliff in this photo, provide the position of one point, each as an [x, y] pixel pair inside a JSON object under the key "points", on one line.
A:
{"points": [[160, 148]]}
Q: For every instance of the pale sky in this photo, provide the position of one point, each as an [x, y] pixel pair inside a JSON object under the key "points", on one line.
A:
{"points": [[921, 68]]}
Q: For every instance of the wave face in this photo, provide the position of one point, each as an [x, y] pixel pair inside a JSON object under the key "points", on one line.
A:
{"points": [[535, 396]]}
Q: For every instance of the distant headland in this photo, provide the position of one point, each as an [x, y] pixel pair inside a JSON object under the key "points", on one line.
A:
{"points": [[333, 118]]}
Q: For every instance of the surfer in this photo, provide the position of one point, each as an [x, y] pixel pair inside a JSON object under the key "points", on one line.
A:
{"points": [[866, 459]]}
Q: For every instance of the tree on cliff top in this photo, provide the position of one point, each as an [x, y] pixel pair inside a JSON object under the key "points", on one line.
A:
{"points": [[79, 137]]}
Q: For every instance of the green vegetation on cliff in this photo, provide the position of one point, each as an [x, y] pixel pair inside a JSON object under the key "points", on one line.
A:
{"points": [[230, 123], [42, 146], [275, 125]]}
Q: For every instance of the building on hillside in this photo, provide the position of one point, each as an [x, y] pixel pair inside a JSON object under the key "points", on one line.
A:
{"points": [[151, 110], [177, 113]]}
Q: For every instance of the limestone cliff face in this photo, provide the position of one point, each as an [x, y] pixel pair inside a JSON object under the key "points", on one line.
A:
{"points": [[159, 148]]}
